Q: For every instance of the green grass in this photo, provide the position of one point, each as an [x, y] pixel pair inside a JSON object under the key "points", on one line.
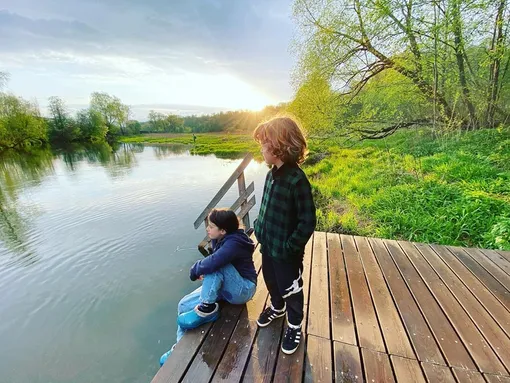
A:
{"points": [[414, 186], [450, 189]]}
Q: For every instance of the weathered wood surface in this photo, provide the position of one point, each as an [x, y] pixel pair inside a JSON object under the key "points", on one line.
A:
{"points": [[375, 311]]}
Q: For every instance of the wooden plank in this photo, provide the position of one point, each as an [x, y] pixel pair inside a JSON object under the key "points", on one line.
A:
{"points": [[407, 370], [419, 333], [480, 351], [238, 350], [289, 368], [491, 304], [445, 335], [504, 254], [219, 195], [204, 364], [467, 376], [182, 356], [377, 367], [437, 374], [496, 378], [367, 326], [241, 214], [483, 322], [498, 260], [241, 184], [318, 364], [342, 322], [488, 265], [393, 330], [347, 363], [498, 289], [318, 317], [264, 353]]}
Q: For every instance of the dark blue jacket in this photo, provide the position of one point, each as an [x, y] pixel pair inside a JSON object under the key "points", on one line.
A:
{"points": [[235, 248]]}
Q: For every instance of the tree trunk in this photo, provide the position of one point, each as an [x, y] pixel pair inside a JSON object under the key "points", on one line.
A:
{"points": [[494, 69], [458, 43]]}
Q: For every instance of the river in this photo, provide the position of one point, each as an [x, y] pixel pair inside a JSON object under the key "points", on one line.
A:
{"points": [[95, 248]]}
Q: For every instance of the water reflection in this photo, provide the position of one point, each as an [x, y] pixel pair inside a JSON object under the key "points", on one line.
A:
{"points": [[17, 171], [22, 170]]}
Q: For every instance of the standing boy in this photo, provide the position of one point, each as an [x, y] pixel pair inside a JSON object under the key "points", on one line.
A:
{"points": [[285, 224]]}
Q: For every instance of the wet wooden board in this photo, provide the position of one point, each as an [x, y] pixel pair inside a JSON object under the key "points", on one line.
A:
{"points": [[182, 356], [467, 376], [347, 363], [342, 322], [444, 333], [289, 368], [484, 296], [207, 359], [264, 352], [318, 309], [419, 333], [367, 326], [453, 294], [393, 330], [376, 366], [465, 325], [318, 364], [407, 370], [435, 373], [492, 284], [238, 350]]}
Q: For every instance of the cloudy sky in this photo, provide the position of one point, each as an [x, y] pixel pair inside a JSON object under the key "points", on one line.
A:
{"points": [[175, 55]]}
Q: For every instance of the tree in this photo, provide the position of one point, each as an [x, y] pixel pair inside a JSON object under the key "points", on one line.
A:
{"points": [[91, 125], [114, 113], [20, 122], [62, 126], [430, 44], [133, 127]]}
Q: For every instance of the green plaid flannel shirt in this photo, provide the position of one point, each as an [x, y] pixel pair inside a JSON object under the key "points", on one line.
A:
{"points": [[287, 218]]}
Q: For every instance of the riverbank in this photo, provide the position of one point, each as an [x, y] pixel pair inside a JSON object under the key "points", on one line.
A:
{"points": [[221, 145], [451, 189]]}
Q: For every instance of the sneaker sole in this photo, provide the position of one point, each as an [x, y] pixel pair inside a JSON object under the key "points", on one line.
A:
{"points": [[289, 352], [268, 323]]}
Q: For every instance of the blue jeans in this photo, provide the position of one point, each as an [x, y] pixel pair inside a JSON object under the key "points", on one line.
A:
{"points": [[224, 284]]}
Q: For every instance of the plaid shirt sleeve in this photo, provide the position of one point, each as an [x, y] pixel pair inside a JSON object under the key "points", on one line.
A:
{"points": [[305, 213]]}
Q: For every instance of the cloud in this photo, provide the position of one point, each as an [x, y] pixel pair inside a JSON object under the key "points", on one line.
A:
{"points": [[125, 40]]}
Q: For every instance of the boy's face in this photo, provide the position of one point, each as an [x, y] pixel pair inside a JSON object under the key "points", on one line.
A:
{"points": [[267, 152], [214, 232]]}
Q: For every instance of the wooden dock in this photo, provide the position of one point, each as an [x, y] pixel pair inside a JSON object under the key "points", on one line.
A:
{"points": [[375, 311]]}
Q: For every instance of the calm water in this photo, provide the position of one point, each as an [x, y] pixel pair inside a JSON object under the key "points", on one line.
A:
{"points": [[95, 248]]}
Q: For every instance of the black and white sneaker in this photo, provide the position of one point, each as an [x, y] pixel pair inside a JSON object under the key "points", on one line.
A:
{"points": [[291, 339], [270, 314]]}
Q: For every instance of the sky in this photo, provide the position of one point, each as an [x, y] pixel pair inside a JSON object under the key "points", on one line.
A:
{"points": [[178, 56]]}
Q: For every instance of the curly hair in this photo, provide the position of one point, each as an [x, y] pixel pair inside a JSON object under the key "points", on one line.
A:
{"points": [[285, 138]]}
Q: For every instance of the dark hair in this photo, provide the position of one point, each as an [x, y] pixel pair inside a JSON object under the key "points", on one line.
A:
{"points": [[225, 219]]}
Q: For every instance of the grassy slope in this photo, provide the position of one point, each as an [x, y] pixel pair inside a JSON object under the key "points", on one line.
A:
{"points": [[451, 190]]}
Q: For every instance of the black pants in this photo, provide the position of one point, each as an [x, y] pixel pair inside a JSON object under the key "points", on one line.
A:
{"points": [[285, 285]]}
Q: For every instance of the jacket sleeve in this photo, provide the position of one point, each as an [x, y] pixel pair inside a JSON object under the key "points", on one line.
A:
{"points": [[305, 214], [224, 255]]}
